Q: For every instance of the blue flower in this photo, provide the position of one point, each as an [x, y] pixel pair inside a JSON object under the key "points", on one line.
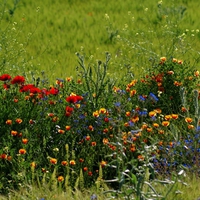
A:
{"points": [[117, 104], [153, 97], [141, 98]]}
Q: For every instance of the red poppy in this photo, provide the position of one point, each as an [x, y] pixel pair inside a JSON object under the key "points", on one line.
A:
{"points": [[54, 91], [74, 99], [6, 86], [5, 77], [35, 90], [68, 110], [26, 88], [18, 80]]}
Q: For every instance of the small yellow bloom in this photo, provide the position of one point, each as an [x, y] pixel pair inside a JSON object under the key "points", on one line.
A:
{"points": [[188, 120], [152, 114], [190, 126], [22, 151], [53, 161], [165, 123], [163, 59], [168, 117], [60, 179], [174, 116], [72, 162], [156, 125]]}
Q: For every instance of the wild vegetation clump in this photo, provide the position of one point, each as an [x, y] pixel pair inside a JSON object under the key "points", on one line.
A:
{"points": [[135, 137]]}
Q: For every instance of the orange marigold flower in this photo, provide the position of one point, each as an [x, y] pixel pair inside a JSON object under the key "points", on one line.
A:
{"points": [[190, 126], [50, 114], [180, 62], [152, 113], [135, 119], [171, 144], [158, 110], [183, 109], [96, 114], [16, 100], [91, 128], [134, 138], [188, 120], [126, 124], [9, 122], [79, 81], [165, 123], [176, 83], [168, 117], [128, 114], [31, 121], [87, 138], [156, 125], [163, 59], [33, 164], [149, 129], [3, 156], [161, 132], [174, 116], [81, 160], [9, 158], [196, 73], [144, 126], [140, 157], [105, 141], [174, 60], [103, 163], [72, 162], [132, 148], [105, 130], [67, 128], [53, 161], [68, 79], [160, 143], [64, 163], [60, 179], [24, 140], [14, 133], [18, 121], [22, 151], [61, 131], [133, 92], [93, 144], [55, 119], [102, 110], [85, 169]]}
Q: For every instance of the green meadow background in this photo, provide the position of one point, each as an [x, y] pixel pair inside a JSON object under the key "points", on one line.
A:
{"points": [[45, 35]]}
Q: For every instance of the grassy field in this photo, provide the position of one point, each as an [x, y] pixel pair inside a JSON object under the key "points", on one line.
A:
{"points": [[53, 31]]}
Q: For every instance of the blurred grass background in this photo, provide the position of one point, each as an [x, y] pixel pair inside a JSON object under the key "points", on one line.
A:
{"points": [[51, 32]]}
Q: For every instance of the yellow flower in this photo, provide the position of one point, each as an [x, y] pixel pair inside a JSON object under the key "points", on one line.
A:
{"points": [[22, 151], [168, 117], [53, 161], [152, 114], [174, 116], [188, 119], [72, 162], [165, 123], [163, 59], [60, 178]]}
